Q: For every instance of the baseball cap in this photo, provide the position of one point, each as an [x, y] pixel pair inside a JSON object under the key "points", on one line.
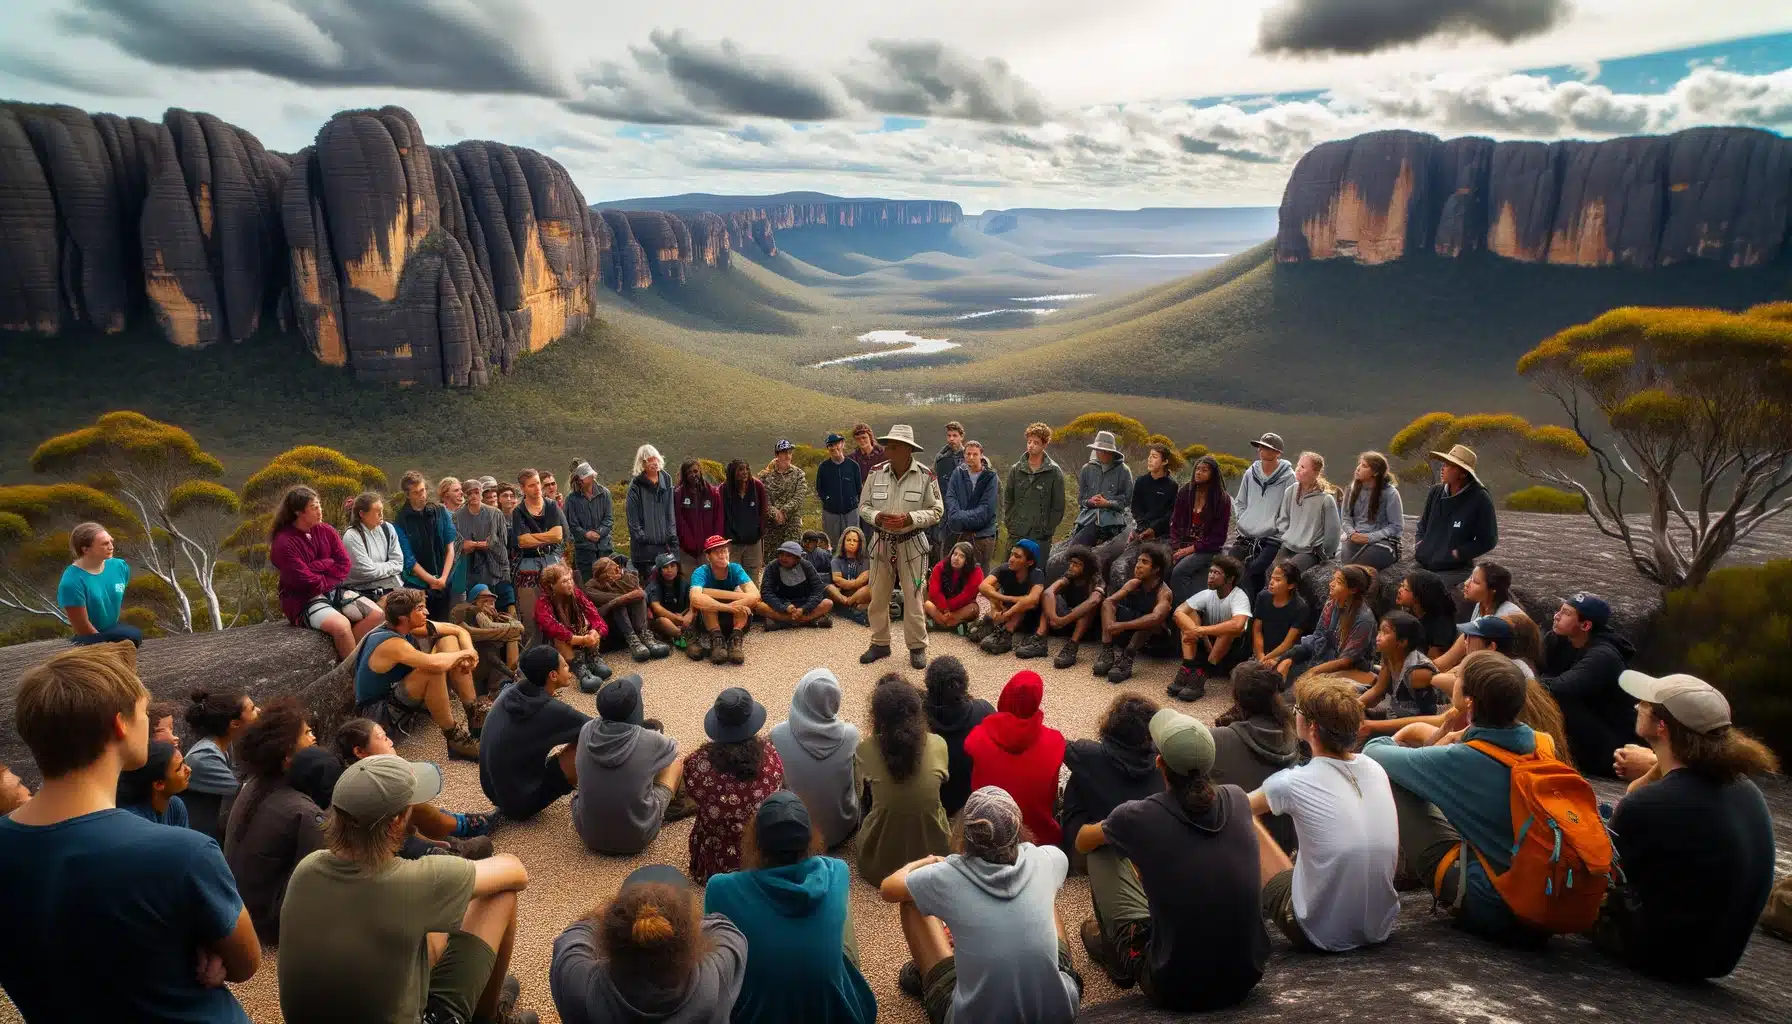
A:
{"points": [[656, 874], [479, 590], [715, 541], [1030, 546], [1487, 627], [537, 662], [488, 482], [1272, 441], [620, 699], [1692, 701], [664, 559], [782, 824], [790, 547], [384, 784], [784, 445], [1590, 607], [834, 438], [1183, 742]]}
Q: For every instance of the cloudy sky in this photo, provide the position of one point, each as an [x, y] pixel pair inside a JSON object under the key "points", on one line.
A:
{"points": [[992, 103]]}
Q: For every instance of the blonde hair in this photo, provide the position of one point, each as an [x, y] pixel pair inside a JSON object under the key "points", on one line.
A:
{"points": [[442, 486], [1329, 704], [1320, 483], [645, 452]]}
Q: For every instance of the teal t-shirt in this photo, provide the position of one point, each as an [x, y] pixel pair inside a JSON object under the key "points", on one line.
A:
{"points": [[704, 578], [101, 593]]}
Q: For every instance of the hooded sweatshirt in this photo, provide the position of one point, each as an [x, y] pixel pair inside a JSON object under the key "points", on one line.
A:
{"points": [[1112, 480], [585, 992], [697, 513], [1249, 751], [818, 751], [613, 810], [971, 504], [1033, 500], [1207, 532], [524, 724], [1103, 775], [1309, 521], [1014, 749], [1600, 717], [796, 916], [652, 528], [1455, 529], [953, 723], [1257, 508], [584, 514]]}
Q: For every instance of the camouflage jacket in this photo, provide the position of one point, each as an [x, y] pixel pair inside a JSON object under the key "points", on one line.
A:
{"points": [[784, 491]]}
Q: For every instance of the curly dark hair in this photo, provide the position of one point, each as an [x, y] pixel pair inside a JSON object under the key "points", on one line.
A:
{"points": [[948, 684], [1128, 720], [741, 759], [1257, 690], [1086, 555], [653, 933], [273, 738], [899, 725], [1159, 556], [211, 711]]}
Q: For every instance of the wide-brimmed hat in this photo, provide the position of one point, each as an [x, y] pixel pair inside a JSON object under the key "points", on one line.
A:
{"points": [[1270, 440], [715, 541], [1461, 456], [903, 433], [735, 716], [1104, 442]]}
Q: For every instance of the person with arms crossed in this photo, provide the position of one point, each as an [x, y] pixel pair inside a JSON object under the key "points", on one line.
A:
{"points": [[900, 502]]}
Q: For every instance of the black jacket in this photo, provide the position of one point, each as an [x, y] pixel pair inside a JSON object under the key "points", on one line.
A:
{"points": [[1103, 775], [1152, 502], [1456, 529], [805, 595], [1599, 716], [953, 724], [524, 724]]}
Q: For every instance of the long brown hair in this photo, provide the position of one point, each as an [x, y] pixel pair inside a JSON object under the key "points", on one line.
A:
{"points": [[1722, 755], [292, 505], [1544, 715], [567, 607], [1378, 463], [652, 934]]}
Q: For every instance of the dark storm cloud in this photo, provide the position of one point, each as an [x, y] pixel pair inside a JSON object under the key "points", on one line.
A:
{"points": [[1364, 26], [925, 78], [490, 46], [1203, 147], [677, 80]]}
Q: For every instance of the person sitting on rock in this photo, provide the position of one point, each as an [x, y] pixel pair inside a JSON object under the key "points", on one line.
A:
{"points": [[837, 483], [1402, 687], [1103, 492], [272, 825], [1374, 520], [727, 778], [650, 953], [818, 548], [1153, 497], [1343, 642], [849, 576], [91, 591], [697, 508], [1006, 956], [1071, 606], [1199, 524], [1279, 618], [1134, 615], [789, 897], [820, 752], [566, 618], [434, 830], [1582, 660], [627, 773], [1488, 592], [1214, 625], [1256, 738], [952, 713], [153, 791], [1176, 882], [621, 602], [395, 667], [217, 719], [161, 722], [723, 595], [311, 561], [1425, 596], [952, 589], [362, 928], [1340, 894], [1119, 765], [905, 767], [791, 592], [87, 884], [1014, 593], [1459, 523], [375, 554], [520, 770], [972, 495], [1015, 750], [1308, 519], [1694, 834], [669, 602]]}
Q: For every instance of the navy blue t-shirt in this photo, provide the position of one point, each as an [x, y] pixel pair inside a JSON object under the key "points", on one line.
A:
{"points": [[113, 898]]}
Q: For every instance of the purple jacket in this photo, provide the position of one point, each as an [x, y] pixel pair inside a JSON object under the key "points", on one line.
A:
{"points": [[698, 514], [1209, 534]]}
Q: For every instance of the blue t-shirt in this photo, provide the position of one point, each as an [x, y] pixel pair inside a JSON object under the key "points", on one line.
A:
{"points": [[114, 890], [101, 593], [175, 815], [704, 579]]}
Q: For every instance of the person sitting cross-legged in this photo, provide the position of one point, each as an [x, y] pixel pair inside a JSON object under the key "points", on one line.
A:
{"points": [[906, 768], [272, 825], [434, 830], [496, 636], [951, 714], [621, 601], [1340, 894], [566, 618], [1343, 642], [1016, 750], [1279, 616], [365, 936], [1583, 658], [820, 755], [669, 602], [91, 591], [850, 576], [952, 589], [1256, 738], [1214, 625], [520, 771], [1013, 593], [1071, 606], [1007, 958], [1176, 880], [1120, 765], [723, 595], [727, 778], [1134, 614], [1402, 687], [395, 667], [628, 770], [792, 593]]}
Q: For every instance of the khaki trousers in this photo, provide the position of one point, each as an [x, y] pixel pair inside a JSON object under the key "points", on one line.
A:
{"points": [[913, 562]]}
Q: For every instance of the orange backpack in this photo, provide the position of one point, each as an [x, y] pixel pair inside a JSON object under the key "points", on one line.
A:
{"points": [[1562, 858]]}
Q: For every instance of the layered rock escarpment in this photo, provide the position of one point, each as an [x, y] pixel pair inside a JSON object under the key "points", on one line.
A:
{"points": [[1721, 195], [756, 220]]}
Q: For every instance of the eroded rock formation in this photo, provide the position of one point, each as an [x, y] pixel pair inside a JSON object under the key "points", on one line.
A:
{"points": [[1713, 194], [755, 220]]}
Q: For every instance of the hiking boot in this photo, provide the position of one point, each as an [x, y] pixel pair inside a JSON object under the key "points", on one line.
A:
{"points": [[637, 648], [737, 648], [589, 681], [773, 625], [1030, 646], [1103, 956], [909, 980], [1185, 677], [476, 712], [1122, 670], [461, 743], [1104, 661], [859, 615], [471, 847], [976, 631], [917, 658], [696, 644], [876, 652], [653, 725], [1066, 655], [599, 667], [825, 622], [718, 648], [680, 807], [1194, 689], [467, 824], [999, 642], [656, 648]]}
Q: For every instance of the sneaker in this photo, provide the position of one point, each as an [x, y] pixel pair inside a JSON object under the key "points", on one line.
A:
{"points": [[468, 824], [461, 744], [1030, 646], [877, 652], [976, 631], [773, 625], [470, 848], [999, 642], [737, 648], [1104, 661], [909, 980], [1066, 655], [637, 648], [825, 622], [917, 658], [718, 649], [1122, 670]]}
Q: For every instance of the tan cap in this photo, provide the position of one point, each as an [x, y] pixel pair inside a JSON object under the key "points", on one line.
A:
{"points": [[1183, 742], [1692, 701], [382, 785]]}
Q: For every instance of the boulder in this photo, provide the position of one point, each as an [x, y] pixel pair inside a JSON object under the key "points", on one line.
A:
{"points": [[1726, 198], [1460, 171], [30, 243]]}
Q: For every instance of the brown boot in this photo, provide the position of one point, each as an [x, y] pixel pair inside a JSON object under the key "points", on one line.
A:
{"points": [[737, 647], [471, 848], [718, 648], [461, 743], [476, 713]]}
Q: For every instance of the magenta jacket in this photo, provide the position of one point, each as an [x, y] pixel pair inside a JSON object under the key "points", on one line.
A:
{"points": [[309, 564], [1209, 535], [698, 514]]}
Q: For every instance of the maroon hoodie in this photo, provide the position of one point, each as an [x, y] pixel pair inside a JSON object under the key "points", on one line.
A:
{"points": [[698, 513], [1207, 534]]}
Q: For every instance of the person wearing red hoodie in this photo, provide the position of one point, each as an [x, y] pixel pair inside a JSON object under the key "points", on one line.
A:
{"points": [[697, 512], [952, 588], [1015, 750]]}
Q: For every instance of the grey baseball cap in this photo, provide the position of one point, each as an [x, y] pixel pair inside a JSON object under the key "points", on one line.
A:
{"points": [[382, 785]]}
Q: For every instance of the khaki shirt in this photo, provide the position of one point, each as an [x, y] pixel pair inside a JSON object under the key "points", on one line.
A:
{"points": [[915, 492]]}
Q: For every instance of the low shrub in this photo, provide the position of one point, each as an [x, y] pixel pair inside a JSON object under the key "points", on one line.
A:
{"points": [[1735, 632], [1551, 500]]}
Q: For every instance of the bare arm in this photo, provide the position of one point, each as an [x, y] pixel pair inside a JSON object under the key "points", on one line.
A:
{"points": [[1090, 838], [500, 873], [240, 950], [1259, 803], [671, 775], [895, 888], [78, 620]]}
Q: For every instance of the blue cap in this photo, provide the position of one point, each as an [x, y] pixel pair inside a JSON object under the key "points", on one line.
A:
{"points": [[1590, 607], [479, 590], [834, 439], [1030, 546], [1487, 627]]}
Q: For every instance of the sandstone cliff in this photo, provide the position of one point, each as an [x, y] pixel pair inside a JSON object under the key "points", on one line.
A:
{"points": [[1710, 194], [755, 220]]}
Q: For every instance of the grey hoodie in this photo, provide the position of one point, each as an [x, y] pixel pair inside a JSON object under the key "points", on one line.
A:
{"points": [[1113, 480], [651, 527], [585, 992], [818, 751], [613, 809], [1247, 752], [1308, 521], [1258, 503]]}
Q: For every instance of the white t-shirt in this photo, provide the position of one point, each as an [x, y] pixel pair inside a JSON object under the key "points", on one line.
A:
{"points": [[1506, 608], [1343, 813], [1214, 609]]}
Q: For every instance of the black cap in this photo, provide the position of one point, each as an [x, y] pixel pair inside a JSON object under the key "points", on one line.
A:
{"points": [[782, 825], [736, 716], [538, 663], [620, 699]]}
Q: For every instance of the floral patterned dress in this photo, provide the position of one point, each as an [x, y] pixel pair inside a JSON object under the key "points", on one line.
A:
{"points": [[724, 806]]}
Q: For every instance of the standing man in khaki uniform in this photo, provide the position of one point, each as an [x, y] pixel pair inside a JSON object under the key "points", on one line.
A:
{"points": [[900, 502]]}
